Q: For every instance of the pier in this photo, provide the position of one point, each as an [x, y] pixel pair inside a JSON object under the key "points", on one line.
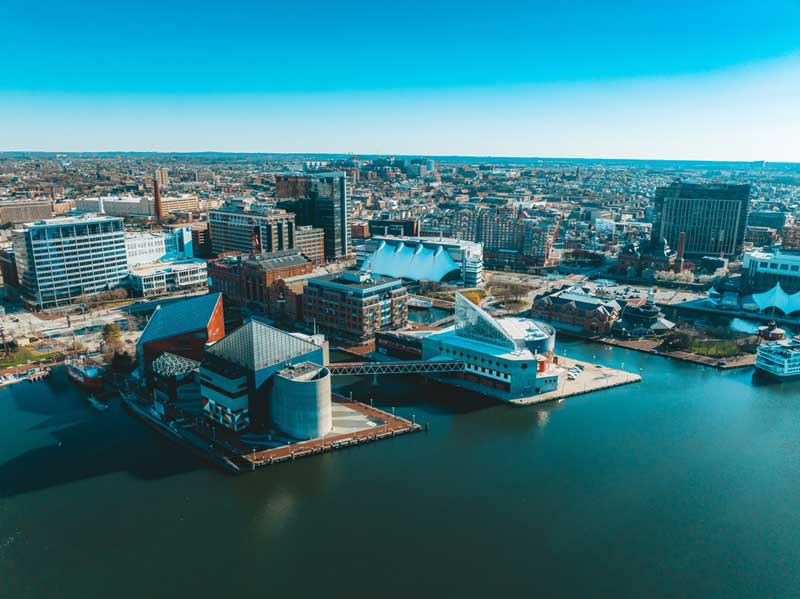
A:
{"points": [[594, 377], [385, 426]]}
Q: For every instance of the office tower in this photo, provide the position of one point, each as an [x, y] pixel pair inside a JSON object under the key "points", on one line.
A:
{"points": [[256, 229], [162, 176], [713, 217], [61, 260], [326, 205]]}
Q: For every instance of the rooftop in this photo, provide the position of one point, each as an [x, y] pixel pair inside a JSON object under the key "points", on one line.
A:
{"points": [[354, 281], [167, 266], [256, 345], [79, 219], [179, 317]]}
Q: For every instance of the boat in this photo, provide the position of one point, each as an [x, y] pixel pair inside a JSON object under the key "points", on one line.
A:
{"points": [[779, 359], [10, 379], [420, 303], [97, 405], [85, 373]]}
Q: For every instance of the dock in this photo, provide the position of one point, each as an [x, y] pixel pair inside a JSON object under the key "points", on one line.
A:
{"points": [[594, 377], [385, 426]]}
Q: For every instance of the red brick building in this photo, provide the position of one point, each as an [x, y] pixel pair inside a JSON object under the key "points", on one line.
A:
{"points": [[246, 280]]}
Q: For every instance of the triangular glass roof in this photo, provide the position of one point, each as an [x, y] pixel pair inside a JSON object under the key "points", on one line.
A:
{"points": [[256, 345], [474, 323]]}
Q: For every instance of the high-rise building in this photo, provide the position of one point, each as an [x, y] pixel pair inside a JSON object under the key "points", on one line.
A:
{"points": [[250, 229], [61, 260], [162, 177], [326, 205], [713, 217]]}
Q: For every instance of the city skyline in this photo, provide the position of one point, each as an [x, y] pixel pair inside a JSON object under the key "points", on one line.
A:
{"points": [[716, 82]]}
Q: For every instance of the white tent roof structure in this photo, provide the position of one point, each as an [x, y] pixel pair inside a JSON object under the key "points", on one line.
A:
{"points": [[777, 298], [417, 262]]}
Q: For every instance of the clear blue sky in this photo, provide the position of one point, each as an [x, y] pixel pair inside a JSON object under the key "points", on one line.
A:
{"points": [[585, 78]]}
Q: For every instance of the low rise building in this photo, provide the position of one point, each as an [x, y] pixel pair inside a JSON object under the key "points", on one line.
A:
{"points": [[182, 327], [506, 358], [236, 373], [13, 212], [763, 269], [170, 276], [355, 305], [575, 311], [423, 259]]}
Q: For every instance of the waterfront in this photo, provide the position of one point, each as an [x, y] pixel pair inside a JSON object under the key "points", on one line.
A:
{"points": [[684, 484]]}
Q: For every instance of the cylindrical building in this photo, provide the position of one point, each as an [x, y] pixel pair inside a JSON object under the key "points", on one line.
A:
{"points": [[300, 402]]}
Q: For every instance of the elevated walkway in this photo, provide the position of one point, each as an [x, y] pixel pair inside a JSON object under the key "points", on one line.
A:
{"points": [[408, 367]]}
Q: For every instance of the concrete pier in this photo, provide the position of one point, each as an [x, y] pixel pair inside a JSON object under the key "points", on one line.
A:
{"points": [[594, 377]]}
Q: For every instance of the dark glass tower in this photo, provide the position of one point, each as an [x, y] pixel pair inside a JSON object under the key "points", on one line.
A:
{"points": [[713, 216]]}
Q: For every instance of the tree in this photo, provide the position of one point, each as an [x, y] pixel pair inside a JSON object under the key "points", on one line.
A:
{"points": [[112, 334]]}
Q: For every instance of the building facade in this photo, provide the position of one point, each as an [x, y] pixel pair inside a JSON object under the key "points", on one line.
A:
{"points": [[325, 205], [160, 278], [249, 228], [247, 280], [13, 212], [713, 217], [355, 305], [310, 242], [61, 261], [763, 269]]}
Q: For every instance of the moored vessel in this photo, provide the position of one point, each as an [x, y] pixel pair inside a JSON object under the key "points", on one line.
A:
{"points": [[779, 359], [85, 373]]}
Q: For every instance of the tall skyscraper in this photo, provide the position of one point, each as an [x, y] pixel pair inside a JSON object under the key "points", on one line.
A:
{"points": [[325, 204], [713, 217]]}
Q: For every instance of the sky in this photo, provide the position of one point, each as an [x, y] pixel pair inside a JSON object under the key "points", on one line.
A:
{"points": [[711, 80]]}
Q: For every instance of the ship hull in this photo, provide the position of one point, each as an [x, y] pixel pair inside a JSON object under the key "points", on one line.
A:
{"points": [[768, 375], [79, 378]]}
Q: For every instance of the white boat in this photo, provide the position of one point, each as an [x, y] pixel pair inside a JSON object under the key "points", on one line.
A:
{"points": [[10, 379], [779, 359]]}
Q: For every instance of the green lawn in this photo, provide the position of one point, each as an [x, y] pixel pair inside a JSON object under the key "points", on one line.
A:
{"points": [[716, 348], [25, 354]]}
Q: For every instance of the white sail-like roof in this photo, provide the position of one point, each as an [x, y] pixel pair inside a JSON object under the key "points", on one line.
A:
{"points": [[417, 261], [777, 298]]}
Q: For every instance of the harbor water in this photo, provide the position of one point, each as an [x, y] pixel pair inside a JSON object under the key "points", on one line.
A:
{"points": [[686, 484]]}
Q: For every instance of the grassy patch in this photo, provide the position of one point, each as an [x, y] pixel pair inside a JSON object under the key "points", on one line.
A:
{"points": [[716, 348], [25, 354]]}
